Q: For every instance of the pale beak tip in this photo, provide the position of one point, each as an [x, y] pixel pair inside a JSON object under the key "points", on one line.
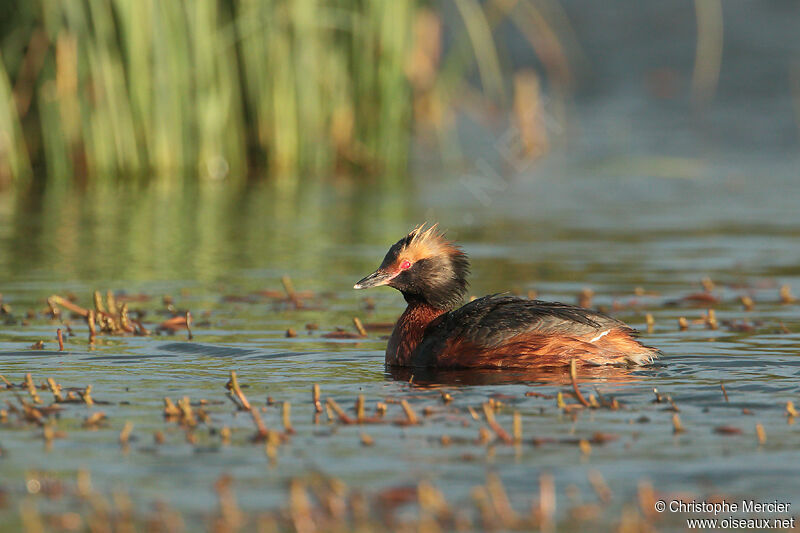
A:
{"points": [[357, 286]]}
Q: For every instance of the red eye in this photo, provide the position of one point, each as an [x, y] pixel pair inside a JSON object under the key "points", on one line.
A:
{"points": [[405, 265]]}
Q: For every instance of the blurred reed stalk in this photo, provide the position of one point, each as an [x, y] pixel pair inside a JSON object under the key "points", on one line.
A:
{"points": [[95, 90]]}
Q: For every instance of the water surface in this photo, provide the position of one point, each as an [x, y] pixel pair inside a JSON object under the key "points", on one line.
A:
{"points": [[557, 233]]}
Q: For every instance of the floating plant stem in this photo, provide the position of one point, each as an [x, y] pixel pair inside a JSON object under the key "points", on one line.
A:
{"points": [[55, 388], [98, 303], [93, 420], [261, 428], [343, 418], [170, 409], [359, 326], [315, 398], [54, 312], [547, 502], [517, 427], [585, 298], [125, 434], [360, 408], [112, 303], [573, 373], [711, 319], [411, 416], [66, 304], [188, 318], [497, 428], [761, 434], [186, 412], [32, 389], [236, 394], [673, 405], [499, 498], [786, 295], [600, 486], [677, 427], [291, 294], [91, 321], [585, 447], [124, 319], [287, 418]]}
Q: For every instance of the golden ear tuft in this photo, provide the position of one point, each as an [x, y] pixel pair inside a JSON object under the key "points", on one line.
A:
{"points": [[424, 242], [422, 236]]}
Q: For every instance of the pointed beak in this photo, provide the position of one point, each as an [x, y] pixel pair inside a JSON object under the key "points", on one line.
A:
{"points": [[376, 279]]}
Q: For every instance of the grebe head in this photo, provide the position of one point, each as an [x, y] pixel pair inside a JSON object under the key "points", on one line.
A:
{"points": [[425, 267]]}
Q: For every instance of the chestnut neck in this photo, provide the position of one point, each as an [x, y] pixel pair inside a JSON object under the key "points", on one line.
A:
{"points": [[409, 330]]}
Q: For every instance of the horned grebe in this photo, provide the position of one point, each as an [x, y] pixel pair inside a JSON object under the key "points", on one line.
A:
{"points": [[495, 331]]}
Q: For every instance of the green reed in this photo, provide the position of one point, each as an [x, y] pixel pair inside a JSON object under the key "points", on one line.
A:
{"points": [[91, 90]]}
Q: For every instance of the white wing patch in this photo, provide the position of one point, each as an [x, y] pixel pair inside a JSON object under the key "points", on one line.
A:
{"points": [[600, 336]]}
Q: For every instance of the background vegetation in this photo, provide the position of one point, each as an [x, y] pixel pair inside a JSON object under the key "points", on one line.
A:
{"points": [[95, 90]]}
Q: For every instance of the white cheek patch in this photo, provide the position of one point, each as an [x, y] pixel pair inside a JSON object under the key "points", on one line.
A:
{"points": [[600, 336]]}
